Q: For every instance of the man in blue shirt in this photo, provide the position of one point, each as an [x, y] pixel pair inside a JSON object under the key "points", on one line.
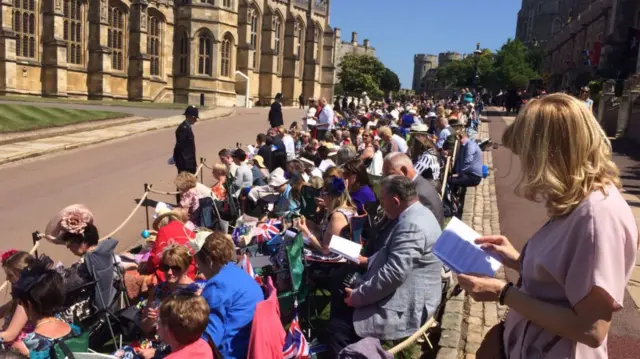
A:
{"points": [[468, 167]]}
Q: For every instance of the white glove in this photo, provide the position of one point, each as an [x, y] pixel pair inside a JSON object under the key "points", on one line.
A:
{"points": [[171, 161]]}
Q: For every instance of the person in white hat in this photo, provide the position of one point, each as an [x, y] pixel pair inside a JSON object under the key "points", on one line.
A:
{"points": [[424, 155]]}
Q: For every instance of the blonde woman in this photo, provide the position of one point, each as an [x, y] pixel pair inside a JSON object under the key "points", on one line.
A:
{"points": [[189, 196], [220, 175], [574, 270], [339, 210]]}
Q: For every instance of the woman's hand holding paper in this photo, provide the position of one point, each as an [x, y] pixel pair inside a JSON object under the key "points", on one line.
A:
{"points": [[503, 249]]}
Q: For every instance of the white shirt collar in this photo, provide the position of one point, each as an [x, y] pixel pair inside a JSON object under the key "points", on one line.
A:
{"points": [[406, 209]]}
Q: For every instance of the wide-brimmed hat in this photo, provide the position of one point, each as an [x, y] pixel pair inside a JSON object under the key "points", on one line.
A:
{"points": [[175, 214], [432, 114], [412, 111], [419, 128], [277, 178], [73, 219], [259, 161]]}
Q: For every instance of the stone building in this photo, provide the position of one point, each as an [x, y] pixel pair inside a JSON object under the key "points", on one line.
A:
{"points": [[343, 48], [446, 57], [539, 20], [593, 41], [167, 51], [422, 64]]}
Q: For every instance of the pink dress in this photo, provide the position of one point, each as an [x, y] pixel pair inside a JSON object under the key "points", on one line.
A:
{"points": [[595, 245]]}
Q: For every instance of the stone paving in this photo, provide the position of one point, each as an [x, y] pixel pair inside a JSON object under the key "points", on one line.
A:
{"points": [[465, 322]]}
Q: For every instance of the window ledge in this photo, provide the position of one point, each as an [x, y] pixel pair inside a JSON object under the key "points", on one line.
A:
{"points": [[26, 61]]}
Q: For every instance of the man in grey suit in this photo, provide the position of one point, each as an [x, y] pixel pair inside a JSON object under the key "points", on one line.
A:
{"points": [[401, 288], [400, 164]]}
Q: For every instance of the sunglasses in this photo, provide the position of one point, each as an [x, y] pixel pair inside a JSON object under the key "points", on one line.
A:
{"points": [[166, 267]]}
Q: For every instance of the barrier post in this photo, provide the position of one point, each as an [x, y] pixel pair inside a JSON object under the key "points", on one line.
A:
{"points": [[35, 236], [146, 208], [201, 171]]}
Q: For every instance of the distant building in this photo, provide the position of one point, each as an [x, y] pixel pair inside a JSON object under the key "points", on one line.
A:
{"points": [[343, 48], [540, 20], [593, 38], [425, 69]]}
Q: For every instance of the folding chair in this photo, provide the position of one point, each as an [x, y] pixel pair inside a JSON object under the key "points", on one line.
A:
{"points": [[358, 224]]}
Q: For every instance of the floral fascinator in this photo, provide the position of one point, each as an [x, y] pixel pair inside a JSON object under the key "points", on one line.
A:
{"points": [[6, 255], [337, 186], [72, 219]]}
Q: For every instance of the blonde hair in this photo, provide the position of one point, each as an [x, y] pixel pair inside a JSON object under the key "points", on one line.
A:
{"points": [[185, 181], [16, 262], [177, 255], [219, 169], [385, 131], [565, 154]]}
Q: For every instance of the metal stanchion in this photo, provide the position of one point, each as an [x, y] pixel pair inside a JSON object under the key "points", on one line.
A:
{"points": [[35, 236], [146, 208], [202, 159]]}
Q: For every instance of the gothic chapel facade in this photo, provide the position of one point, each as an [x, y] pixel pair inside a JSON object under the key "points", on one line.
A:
{"points": [[167, 50]]}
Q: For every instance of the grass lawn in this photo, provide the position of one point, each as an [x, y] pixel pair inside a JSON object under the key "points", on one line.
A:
{"points": [[14, 118], [174, 106]]}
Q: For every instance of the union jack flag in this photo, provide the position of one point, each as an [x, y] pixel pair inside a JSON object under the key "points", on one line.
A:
{"points": [[246, 266], [295, 344], [268, 230]]}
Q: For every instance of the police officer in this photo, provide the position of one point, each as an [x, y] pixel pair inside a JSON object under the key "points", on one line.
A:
{"points": [[184, 153]]}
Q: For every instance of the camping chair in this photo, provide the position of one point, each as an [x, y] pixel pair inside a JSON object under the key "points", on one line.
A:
{"points": [[358, 224], [309, 206], [90, 355]]}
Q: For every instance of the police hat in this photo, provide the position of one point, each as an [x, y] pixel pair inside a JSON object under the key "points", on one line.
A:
{"points": [[191, 111]]}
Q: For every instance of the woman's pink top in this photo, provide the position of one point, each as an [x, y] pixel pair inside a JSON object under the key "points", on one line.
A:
{"points": [[199, 349], [595, 245]]}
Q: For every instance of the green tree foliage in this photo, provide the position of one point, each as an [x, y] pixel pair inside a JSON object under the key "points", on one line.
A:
{"points": [[389, 81], [514, 65], [361, 73]]}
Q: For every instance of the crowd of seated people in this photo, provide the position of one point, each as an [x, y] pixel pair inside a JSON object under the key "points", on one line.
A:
{"points": [[365, 166]]}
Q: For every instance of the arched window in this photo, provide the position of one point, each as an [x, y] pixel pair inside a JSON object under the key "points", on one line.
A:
{"points": [[24, 24], [225, 56], [154, 44], [116, 38], [254, 39], [556, 26], [73, 32], [300, 40], [318, 40], [183, 53], [227, 3], [278, 34], [205, 54]]}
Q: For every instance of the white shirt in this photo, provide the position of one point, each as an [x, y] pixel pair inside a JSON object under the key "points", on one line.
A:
{"points": [[289, 144], [325, 119], [400, 142], [316, 172]]}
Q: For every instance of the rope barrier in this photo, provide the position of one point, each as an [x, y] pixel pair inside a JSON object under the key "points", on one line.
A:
{"points": [[204, 163], [163, 192], [199, 169], [142, 199], [405, 343], [445, 177]]}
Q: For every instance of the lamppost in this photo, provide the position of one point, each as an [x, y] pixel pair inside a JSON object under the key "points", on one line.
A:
{"points": [[476, 57]]}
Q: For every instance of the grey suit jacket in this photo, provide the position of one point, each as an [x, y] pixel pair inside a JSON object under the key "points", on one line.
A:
{"points": [[402, 286], [430, 198]]}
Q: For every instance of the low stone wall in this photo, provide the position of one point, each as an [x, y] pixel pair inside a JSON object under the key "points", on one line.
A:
{"points": [[465, 322]]}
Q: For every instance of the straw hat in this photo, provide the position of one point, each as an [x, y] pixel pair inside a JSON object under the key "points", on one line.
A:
{"points": [[176, 214], [419, 128], [259, 161]]}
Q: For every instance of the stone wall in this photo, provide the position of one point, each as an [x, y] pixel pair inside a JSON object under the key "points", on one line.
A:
{"points": [[465, 322]]}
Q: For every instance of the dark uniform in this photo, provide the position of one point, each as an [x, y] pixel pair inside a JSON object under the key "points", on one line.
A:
{"points": [[275, 114], [184, 153]]}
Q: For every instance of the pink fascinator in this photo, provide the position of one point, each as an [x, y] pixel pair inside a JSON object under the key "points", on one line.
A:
{"points": [[72, 219]]}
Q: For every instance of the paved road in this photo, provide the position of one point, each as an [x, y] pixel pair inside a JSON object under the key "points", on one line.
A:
{"points": [[519, 219], [108, 178]]}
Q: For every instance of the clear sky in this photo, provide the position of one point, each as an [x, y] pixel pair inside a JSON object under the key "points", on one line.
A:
{"points": [[398, 29]]}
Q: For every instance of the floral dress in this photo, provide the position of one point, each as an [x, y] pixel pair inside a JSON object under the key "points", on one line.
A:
{"points": [[39, 345]]}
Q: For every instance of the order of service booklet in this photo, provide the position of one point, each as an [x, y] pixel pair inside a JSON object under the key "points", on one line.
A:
{"points": [[457, 249], [346, 248]]}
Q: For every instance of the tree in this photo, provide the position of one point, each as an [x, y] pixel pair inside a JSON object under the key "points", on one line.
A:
{"points": [[389, 81], [512, 66], [460, 73], [361, 73]]}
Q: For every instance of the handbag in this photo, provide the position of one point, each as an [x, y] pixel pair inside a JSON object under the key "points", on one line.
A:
{"points": [[492, 346]]}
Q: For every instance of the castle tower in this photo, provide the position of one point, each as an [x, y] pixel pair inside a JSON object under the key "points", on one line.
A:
{"points": [[422, 63]]}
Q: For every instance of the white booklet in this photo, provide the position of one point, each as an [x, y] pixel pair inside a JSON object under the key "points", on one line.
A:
{"points": [[346, 248], [457, 249]]}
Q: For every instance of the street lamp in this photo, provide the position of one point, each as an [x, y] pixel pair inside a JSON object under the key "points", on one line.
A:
{"points": [[476, 57]]}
